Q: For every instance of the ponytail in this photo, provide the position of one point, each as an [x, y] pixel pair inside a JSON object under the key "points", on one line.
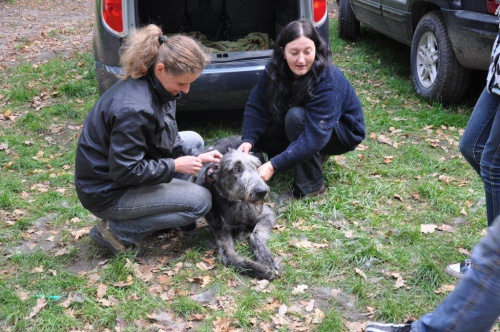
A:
{"points": [[147, 46]]}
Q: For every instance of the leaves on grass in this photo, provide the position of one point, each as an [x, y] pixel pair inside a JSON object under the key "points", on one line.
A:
{"points": [[399, 280], [40, 304], [445, 289], [427, 228], [299, 289]]}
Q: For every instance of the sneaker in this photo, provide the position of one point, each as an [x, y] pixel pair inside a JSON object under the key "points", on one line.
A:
{"points": [[383, 327], [101, 234], [457, 270]]}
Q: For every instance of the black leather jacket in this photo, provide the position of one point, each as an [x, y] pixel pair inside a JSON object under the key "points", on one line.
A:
{"points": [[130, 138]]}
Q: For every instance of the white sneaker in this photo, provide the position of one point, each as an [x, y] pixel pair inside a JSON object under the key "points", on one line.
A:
{"points": [[457, 270]]}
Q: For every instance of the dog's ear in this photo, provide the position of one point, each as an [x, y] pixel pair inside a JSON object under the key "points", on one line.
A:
{"points": [[211, 173]]}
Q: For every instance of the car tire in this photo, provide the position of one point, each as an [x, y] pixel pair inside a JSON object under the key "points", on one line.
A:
{"points": [[348, 25], [436, 72]]}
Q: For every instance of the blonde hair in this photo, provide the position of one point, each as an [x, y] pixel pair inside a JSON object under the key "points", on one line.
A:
{"points": [[179, 54]]}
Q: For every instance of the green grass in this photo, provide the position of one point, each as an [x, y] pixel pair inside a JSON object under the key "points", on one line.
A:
{"points": [[345, 248]]}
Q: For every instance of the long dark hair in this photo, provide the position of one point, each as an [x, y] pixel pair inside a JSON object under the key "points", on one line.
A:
{"points": [[284, 89]]}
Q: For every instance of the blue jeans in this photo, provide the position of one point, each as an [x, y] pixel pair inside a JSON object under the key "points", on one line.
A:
{"points": [[480, 146], [142, 211], [474, 305], [308, 176]]}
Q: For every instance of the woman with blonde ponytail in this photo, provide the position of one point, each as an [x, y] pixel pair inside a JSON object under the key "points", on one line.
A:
{"points": [[131, 162]]}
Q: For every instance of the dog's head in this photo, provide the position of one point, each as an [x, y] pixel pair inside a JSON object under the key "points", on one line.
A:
{"points": [[236, 178]]}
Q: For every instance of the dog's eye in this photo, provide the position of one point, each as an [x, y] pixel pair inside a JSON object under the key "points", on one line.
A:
{"points": [[236, 169]]}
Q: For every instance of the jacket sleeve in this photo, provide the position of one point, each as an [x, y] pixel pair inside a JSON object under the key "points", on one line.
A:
{"points": [[131, 130], [256, 120], [323, 112]]}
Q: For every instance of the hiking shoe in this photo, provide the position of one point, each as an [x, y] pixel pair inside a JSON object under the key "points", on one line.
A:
{"points": [[457, 270], [383, 327], [101, 234]]}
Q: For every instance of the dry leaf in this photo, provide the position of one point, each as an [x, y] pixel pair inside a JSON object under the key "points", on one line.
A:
{"points": [[464, 251], [38, 269], [399, 280], [427, 228], [445, 289], [360, 272], [129, 282], [40, 304], [101, 290], [299, 289]]}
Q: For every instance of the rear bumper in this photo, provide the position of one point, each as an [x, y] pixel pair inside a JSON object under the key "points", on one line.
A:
{"points": [[472, 36], [219, 87]]}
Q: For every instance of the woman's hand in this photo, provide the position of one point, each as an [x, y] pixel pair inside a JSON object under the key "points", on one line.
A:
{"points": [[210, 157], [188, 165], [245, 147], [266, 171]]}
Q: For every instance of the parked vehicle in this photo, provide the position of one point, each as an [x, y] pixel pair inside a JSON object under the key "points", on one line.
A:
{"points": [[448, 38], [227, 81]]}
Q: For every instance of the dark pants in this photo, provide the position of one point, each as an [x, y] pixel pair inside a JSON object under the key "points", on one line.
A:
{"points": [[308, 176]]}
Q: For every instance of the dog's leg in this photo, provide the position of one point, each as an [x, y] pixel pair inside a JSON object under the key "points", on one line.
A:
{"points": [[229, 257], [260, 236]]}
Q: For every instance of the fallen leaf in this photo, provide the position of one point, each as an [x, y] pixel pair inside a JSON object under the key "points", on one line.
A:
{"points": [[129, 282], [223, 324], [360, 272], [299, 289], [427, 228], [101, 290], [40, 304], [399, 280], [444, 289]]}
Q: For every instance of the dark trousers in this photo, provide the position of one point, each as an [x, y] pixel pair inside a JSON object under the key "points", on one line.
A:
{"points": [[308, 176]]}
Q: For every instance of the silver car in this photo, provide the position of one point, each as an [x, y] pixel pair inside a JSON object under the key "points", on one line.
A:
{"points": [[223, 25]]}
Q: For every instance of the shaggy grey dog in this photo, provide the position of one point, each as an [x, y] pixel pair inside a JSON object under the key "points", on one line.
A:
{"points": [[238, 208]]}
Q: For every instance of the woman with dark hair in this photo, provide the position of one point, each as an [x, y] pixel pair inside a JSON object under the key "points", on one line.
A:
{"points": [[131, 162], [302, 110]]}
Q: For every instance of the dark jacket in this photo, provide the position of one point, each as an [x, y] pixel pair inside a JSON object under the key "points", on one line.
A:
{"points": [[334, 107], [130, 138]]}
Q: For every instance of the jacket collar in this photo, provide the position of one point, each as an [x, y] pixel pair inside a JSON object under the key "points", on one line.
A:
{"points": [[163, 95]]}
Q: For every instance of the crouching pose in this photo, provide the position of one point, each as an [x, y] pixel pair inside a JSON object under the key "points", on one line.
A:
{"points": [[131, 162]]}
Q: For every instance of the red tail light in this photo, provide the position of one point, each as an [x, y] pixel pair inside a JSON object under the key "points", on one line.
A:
{"points": [[492, 6], [319, 11], [112, 15]]}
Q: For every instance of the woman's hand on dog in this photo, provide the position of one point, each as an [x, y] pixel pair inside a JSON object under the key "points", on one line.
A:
{"points": [[245, 147], [210, 157], [188, 165], [266, 171], [192, 165]]}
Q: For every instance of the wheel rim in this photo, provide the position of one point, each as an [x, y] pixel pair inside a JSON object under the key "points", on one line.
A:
{"points": [[427, 59]]}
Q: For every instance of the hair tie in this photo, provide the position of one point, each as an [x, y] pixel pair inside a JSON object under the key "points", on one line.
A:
{"points": [[162, 39]]}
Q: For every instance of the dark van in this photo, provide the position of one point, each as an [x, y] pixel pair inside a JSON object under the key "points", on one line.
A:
{"points": [[239, 33]]}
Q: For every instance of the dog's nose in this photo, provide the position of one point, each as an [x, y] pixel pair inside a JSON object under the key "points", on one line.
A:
{"points": [[260, 193]]}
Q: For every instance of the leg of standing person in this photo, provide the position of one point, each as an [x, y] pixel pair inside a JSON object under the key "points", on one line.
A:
{"points": [[474, 305], [480, 146]]}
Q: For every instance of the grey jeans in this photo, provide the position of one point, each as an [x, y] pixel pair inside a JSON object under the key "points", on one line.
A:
{"points": [[142, 211]]}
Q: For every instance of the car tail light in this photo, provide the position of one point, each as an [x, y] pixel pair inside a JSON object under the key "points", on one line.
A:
{"points": [[492, 6], [319, 11], [113, 16]]}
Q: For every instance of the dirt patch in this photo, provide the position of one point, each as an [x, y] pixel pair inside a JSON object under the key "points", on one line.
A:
{"points": [[34, 31]]}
